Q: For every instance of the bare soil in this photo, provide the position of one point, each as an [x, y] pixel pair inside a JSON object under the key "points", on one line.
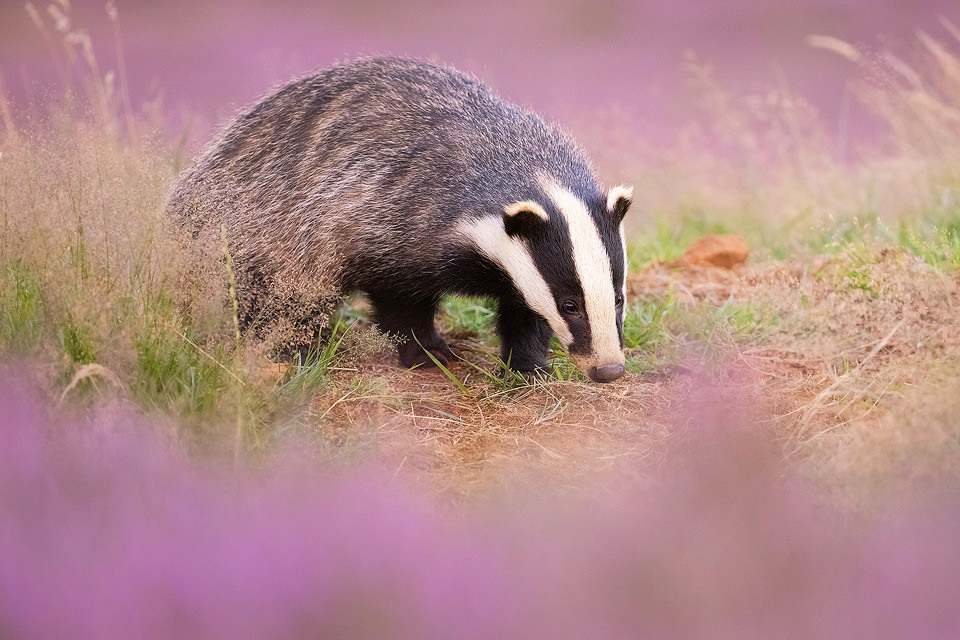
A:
{"points": [[855, 379]]}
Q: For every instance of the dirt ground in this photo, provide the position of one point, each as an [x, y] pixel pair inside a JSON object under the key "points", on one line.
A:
{"points": [[854, 379]]}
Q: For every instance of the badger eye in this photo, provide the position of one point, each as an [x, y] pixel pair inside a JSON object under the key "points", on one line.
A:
{"points": [[570, 307], [618, 300]]}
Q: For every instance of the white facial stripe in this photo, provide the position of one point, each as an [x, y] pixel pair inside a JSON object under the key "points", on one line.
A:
{"points": [[596, 275], [513, 256]]}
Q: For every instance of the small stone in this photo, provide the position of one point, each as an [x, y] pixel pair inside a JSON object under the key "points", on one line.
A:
{"points": [[725, 251]]}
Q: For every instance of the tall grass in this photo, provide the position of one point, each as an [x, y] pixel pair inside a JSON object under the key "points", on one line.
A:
{"points": [[90, 272]]}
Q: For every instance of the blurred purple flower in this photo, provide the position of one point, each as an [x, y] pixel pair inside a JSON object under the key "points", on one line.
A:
{"points": [[108, 532]]}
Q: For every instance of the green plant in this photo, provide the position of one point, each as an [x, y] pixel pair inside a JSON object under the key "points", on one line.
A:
{"points": [[174, 372], [937, 243], [77, 342], [21, 308], [308, 372], [560, 367], [644, 321]]}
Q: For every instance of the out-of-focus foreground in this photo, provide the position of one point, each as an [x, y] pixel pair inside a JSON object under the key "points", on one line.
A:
{"points": [[109, 532]]}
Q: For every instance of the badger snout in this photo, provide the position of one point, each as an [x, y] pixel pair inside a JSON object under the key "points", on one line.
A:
{"points": [[606, 373]]}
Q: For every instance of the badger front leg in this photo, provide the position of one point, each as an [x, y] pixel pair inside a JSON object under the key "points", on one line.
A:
{"points": [[408, 318], [524, 338]]}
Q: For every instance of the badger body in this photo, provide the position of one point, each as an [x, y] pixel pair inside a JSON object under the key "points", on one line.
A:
{"points": [[406, 181]]}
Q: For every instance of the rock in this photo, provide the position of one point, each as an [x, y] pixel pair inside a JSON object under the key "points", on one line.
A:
{"points": [[724, 251]]}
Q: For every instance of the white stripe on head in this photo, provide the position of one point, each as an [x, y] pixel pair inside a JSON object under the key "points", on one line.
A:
{"points": [[596, 276], [513, 256]]}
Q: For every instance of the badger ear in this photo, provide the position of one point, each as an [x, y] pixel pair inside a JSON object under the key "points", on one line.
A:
{"points": [[618, 201], [522, 218]]}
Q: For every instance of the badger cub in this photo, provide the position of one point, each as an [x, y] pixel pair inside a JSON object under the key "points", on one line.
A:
{"points": [[406, 180]]}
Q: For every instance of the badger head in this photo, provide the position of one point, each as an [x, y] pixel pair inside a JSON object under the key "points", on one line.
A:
{"points": [[566, 256]]}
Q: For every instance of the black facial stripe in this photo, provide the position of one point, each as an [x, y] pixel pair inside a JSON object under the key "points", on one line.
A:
{"points": [[552, 253]]}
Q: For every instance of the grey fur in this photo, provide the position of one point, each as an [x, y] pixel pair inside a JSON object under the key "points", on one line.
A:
{"points": [[355, 178]]}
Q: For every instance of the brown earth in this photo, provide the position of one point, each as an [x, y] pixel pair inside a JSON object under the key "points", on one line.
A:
{"points": [[854, 378]]}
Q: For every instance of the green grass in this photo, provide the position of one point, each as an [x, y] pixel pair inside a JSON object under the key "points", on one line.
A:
{"points": [[471, 315], [76, 340], [660, 330], [668, 236], [21, 308], [930, 234], [937, 243], [307, 373], [644, 322], [561, 366], [174, 372]]}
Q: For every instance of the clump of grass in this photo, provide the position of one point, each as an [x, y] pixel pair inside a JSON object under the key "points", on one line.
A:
{"points": [[562, 368], [289, 403], [92, 279], [76, 342], [937, 244], [643, 322], [306, 373], [174, 373], [659, 331], [89, 273], [21, 308]]}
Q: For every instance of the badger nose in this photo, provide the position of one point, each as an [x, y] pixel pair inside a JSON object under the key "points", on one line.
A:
{"points": [[606, 373]]}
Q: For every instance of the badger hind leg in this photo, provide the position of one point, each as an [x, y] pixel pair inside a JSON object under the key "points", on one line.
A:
{"points": [[524, 338], [411, 320]]}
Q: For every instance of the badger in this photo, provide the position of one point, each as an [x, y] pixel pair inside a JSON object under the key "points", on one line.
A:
{"points": [[406, 180]]}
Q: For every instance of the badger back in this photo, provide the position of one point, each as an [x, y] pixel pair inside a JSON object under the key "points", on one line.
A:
{"points": [[362, 161], [376, 170]]}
